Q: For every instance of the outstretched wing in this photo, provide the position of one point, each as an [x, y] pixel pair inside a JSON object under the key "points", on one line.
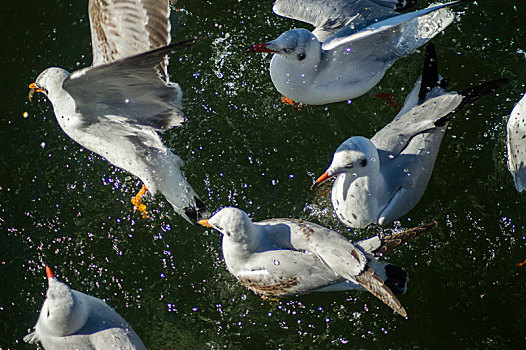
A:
{"points": [[131, 89], [393, 36], [329, 16], [123, 28]]}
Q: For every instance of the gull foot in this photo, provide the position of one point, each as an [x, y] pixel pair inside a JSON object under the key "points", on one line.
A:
{"points": [[289, 102], [136, 201]]}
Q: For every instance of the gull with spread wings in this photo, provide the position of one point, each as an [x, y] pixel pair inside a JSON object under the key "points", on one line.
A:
{"points": [[115, 107], [353, 44]]}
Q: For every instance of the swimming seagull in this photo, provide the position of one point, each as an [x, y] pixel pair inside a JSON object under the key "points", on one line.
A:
{"points": [[279, 257], [115, 107], [516, 142], [352, 46], [378, 180], [70, 319]]}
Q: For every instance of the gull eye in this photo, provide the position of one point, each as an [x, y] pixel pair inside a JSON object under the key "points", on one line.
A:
{"points": [[301, 56], [287, 51], [363, 162]]}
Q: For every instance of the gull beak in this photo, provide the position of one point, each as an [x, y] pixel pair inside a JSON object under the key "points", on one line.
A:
{"points": [[324, 177], [260, 48], [205, 223], [33, 88], [49, 273]]}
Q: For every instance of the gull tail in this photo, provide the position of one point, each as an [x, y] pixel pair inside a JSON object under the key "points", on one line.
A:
{"points": [[170, 181], [391, 242], [374, 284]]}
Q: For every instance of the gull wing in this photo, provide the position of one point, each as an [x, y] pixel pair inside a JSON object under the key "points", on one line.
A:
{"points": [[396, 136], [123, 28], [130, 89], [337, 253], [285, 272], [374, 284], [329, 16], [516, 143], [404, 31]]}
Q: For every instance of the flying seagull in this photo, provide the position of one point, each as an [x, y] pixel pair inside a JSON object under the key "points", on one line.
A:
{"points": [[115, 107]]}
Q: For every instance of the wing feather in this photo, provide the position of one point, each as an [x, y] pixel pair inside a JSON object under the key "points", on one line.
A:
{"points": [[130, 88], [123, 28]]}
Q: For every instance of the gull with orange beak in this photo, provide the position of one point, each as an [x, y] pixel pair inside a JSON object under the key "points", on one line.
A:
{"points": [[116, 107], [381, 179], [278, 257]]}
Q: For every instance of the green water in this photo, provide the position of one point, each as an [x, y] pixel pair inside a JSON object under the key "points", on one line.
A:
{"points": [[64, 206]]}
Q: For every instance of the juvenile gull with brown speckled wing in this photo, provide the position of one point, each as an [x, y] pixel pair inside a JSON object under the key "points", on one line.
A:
{"points": [[280, 257], [116, 106]]}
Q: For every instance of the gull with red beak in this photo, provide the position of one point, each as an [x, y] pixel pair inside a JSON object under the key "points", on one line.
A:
{"points": [[116, 107], [381, 179], [70, 319], [352, 46]]}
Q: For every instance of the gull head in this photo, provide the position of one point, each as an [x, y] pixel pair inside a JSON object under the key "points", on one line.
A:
{"points": [[357, 156], [232, 222], [49, 82], [296, 45], [63, 312]]}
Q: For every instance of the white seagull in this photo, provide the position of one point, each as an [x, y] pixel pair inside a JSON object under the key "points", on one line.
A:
{"points": [[73, 320], [516, 142], [279, 257], [352, 46], [379, 180], [115, 107]]}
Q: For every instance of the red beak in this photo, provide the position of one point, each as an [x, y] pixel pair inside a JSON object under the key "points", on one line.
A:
{"points": [[49, 273], [260, 48], [324, 177]]}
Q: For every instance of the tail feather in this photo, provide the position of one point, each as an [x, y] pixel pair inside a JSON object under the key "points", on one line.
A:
{"points": [[389, 243], [374, 284], [170, 181]]}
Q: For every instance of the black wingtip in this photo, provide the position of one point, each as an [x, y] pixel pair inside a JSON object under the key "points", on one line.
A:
{"points": [[472, 95], [396, 279], [430, 77], [196, 212]]}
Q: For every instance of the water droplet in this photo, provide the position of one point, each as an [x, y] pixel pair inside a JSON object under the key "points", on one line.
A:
{"points": [[276, 262]]}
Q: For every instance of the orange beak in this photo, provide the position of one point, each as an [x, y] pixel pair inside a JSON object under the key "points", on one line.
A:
{"points": [[324, 177], [205, 223], [33, 88]]}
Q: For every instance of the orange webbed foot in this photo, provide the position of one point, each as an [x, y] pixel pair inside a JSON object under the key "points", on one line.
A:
{"points": [[137, 199], [287, 101]]}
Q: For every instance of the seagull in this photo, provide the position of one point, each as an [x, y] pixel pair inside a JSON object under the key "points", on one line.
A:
{"points": [[70, 319], [517, 145], [379, 180], [352, 46], [279, 257], [115, 107]]}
